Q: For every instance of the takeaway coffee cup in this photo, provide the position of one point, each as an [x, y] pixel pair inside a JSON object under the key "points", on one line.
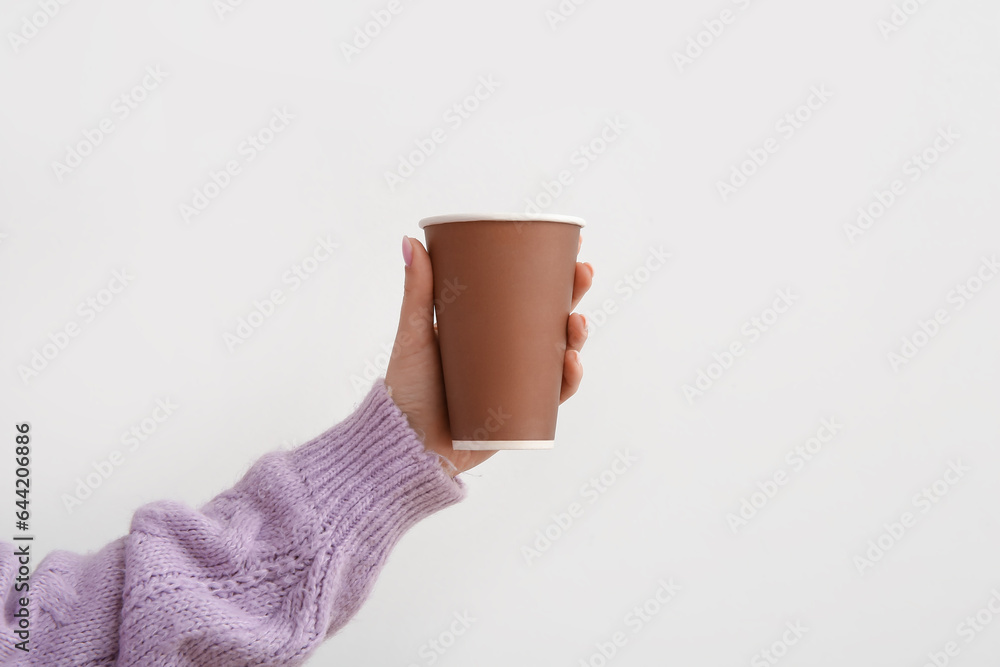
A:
{"points": [[503, 287]]}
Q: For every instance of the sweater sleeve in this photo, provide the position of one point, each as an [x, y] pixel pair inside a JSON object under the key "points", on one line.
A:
{"points": [[261, 575]]}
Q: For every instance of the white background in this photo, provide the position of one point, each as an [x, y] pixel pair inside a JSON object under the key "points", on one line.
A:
{"points": [[655, 186]]}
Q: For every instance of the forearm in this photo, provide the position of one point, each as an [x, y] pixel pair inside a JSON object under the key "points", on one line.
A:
{"points": [[264, 572]]}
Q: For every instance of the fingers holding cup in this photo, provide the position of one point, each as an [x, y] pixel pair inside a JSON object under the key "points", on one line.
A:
{"points": [[576, 337]]}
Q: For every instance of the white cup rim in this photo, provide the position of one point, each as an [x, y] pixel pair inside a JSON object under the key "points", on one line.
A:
{"points": [[512, 217]]}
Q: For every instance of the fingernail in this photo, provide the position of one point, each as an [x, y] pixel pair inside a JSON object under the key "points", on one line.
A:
{"points": [[576, 355], [586, 327], [591, 267], [407, 251]]}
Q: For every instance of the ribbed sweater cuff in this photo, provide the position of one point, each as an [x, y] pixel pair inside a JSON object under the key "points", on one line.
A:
{"points": [[370, 477]]}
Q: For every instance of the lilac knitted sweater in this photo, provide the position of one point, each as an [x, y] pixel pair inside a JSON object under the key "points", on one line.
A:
{"points": [[261, 575]]}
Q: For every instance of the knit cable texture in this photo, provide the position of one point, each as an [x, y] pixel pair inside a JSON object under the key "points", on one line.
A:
{"points": [[261, 575]]}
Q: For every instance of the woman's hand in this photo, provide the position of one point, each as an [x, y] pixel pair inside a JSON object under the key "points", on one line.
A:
{"points": [[415, 377]]}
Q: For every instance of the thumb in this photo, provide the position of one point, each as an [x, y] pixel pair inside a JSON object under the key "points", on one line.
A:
{"points": [[416, 315]]}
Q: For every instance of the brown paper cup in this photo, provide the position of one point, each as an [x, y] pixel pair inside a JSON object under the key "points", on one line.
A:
{"points": [[503, 287]]}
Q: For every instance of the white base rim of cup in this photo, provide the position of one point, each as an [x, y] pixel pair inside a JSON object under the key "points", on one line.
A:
{"points": [[490, 445]]}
